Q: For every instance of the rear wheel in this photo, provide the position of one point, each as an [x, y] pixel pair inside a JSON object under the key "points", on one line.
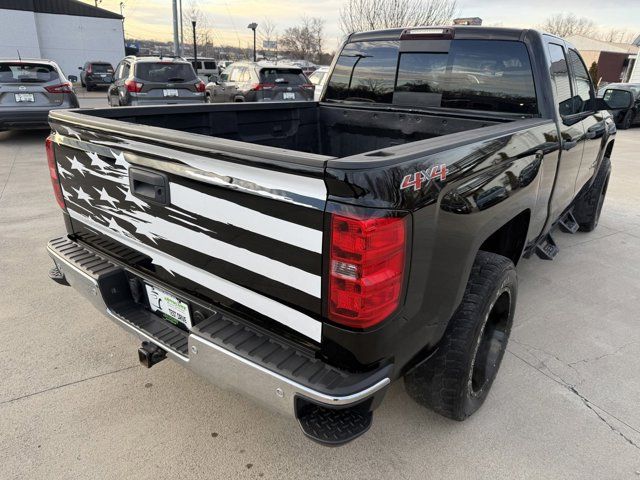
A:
{"points": [[588, 205], [455, 381]]}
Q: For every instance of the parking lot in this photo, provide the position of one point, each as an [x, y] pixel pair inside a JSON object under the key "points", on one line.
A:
{"points": [[75, 403]]}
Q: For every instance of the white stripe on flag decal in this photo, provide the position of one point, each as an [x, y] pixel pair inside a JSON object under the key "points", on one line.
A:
{"points": [[154, 227], [231, 213], [281, 313]]}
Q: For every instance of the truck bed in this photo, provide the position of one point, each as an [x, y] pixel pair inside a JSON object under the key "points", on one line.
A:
{"points": [[321, 129]]}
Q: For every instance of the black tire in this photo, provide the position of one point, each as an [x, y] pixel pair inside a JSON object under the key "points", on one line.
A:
{"points": [[588, 205], [455, 381], [89, 88], [626, 121]]}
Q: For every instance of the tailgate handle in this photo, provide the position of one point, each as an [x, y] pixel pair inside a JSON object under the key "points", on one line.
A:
{"points": [[149, 185]]}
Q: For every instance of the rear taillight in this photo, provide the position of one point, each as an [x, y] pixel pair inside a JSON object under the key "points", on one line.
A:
{"points": [[366, 269], [61, 88], [53, 172], [133, 87], [200, 86], [90, 69], [263, 86]]}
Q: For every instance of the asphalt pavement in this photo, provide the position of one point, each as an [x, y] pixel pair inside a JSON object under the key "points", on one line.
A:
{"points": [[75, 403]]}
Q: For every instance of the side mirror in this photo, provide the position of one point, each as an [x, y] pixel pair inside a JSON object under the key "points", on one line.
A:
{"points": [[73, 78]]}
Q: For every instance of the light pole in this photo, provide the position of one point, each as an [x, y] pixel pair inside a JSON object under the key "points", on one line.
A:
{"points": [[122, 15], [253, 27], [195, 48], [176, 42]]}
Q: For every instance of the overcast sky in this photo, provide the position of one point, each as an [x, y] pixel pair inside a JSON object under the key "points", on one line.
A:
{"points": [[152, 18]]}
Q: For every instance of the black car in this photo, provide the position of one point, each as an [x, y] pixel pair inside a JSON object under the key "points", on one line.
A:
{"points": [[155, 81], [259, 82], [96, 74], [624, 102]]}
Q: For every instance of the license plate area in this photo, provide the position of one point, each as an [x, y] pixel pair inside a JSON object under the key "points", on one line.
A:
{"points": [[168, 306], [289, 96], [170, 92], [24, 97]]}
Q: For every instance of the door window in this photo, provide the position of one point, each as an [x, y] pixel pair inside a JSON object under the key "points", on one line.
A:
{"points": [[560, 75], [125, 70]]}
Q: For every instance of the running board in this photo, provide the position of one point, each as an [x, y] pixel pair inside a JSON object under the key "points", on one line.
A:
{"points": [[547, 249], [568, 223]]}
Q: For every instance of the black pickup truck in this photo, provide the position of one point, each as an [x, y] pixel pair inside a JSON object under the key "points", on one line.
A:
{"points": [[309, 254]]}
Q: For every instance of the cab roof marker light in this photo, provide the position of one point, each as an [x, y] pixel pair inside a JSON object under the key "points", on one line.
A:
{"points": [[426, 31]]}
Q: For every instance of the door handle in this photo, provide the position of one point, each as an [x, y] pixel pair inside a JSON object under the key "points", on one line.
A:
{"points": [[569, 144], [590, 134], [149, 185]]}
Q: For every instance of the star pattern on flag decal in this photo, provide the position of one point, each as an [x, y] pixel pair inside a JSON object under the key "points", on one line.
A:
{"points": [[105, 197], [82, 195], [76, 165], [130, 198], [97, 162]]}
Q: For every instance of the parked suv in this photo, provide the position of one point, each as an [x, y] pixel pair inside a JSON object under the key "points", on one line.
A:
{"points": [[155, 81], [29, 89], [96, 74], [259, 82]]}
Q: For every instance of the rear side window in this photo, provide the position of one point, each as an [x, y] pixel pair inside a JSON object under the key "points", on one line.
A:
{"points": [[559, 70], [365, 71], [165, 72], [488, 75], [19, 72], [209, 65], [583, 94], [282, 76]]}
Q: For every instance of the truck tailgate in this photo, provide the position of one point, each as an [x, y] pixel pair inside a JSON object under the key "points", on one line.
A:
{"points": [[221, 228]]}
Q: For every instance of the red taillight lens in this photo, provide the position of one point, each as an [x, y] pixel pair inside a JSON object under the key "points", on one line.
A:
{"points": [[90, 69], [200, 86], [366, 269], [61, 88], [263, 86], [53, 172], [309, 86], [133, 87]]}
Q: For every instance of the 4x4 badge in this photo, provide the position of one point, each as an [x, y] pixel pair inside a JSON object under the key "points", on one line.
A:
{"points": [[423, 177]]}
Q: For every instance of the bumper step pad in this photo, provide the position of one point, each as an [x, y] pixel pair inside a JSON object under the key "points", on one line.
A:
{"points": [[334, 427]]}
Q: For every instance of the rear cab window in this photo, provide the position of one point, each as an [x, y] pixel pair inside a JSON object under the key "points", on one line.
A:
{"points": [[283, 76], [24, 72], [165, 72], [618, 98], [487, 75]]}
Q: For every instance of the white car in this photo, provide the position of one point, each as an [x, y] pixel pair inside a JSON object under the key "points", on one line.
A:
{"points": [[318, 78]]}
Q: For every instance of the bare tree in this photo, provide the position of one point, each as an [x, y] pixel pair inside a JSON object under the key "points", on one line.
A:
{"points": [[204, 30], [567, 24], [361, 15], [618, 35], [267, 32], [304, 40]]}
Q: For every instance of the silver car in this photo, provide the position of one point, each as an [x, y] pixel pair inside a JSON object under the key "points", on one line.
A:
{"points": [[29, 89]]}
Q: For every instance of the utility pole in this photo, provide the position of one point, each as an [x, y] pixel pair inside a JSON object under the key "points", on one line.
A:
{"points": [[253, 27], [176, 43], [181, 29], [195, 47], [122, 15]]}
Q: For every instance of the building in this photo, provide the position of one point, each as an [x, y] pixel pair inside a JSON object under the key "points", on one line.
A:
{"points": [[616, 61], [68, 32], [468, 21]]}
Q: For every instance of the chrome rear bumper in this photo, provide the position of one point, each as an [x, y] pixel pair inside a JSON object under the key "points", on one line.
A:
{"points": [[97, 277]]}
